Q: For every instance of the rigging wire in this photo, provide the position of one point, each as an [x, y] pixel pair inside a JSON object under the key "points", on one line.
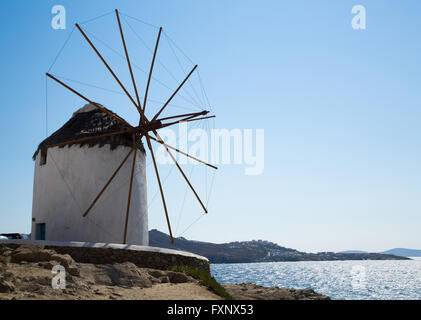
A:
{"points": [[99, 17], [46, 106], [159, 61], [188, 58], [165, 179], [61, 49], [156, 193], [204, 91], [184, 54], [201, 91], [90, 85], [206, 167], [193, 223], [184, 200], [211, 126], [210, 189], [117, 92], [182, 69], [195, 104], [205, 124], [169, 39], [139, 68], [137, 19]]}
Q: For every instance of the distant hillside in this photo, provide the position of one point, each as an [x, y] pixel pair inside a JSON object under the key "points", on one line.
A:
{"points": [[254, 251], [403, 252], [353, 251]]}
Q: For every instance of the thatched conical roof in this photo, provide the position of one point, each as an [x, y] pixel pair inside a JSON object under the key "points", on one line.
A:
{"points": [[89, 121]]}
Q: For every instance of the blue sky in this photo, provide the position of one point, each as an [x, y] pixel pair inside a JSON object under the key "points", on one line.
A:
{"points": [[340, 109]]}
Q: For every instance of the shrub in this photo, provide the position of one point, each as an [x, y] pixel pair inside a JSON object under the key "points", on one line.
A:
{"points": [[205, 279]]}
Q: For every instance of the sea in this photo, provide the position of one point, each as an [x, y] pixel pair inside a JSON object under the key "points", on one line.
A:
{"points": [[340, 280]]}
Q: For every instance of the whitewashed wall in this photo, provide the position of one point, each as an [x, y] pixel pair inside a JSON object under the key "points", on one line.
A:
{"points": [[70, 180]]}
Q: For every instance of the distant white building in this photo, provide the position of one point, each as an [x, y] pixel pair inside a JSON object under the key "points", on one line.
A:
{"points": [[68, 178]]}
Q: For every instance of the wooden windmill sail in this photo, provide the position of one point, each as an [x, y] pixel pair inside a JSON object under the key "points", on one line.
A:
{"points": [[147, 128]]}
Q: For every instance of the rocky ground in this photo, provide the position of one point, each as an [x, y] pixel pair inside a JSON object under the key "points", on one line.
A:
{"points": [[26, 273], [251, 291]]}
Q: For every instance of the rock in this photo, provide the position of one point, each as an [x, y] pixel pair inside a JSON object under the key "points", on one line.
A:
{"points": [[48, 264], [251, 291], [164, 279], [156, 273], [32, 247], [23, 254], [177, 277], [5, 274], [98, 292], [32, 253], [71, 292], [47, 258], [96, 275], [6, 286], [29, 284], [73, 270], [7, 253], [4, 259], [153, 279], [120, 274], [129, 275], [43, 280], [117, 294], [4, 249], [29, 279], [64, 259], [46, 290]]}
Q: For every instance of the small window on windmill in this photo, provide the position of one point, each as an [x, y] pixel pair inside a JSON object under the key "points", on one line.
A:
{"points": [[43, 157]]}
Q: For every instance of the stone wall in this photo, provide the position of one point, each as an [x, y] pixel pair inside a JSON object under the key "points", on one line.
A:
{"points": [[143, 259]]}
